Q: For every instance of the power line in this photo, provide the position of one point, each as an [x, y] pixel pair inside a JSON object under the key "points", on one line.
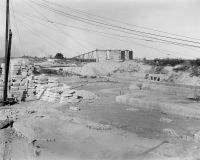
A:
{"points": [[147, 40], [80, 28], [146, 46], [88, 21], [142, 32], [57, 23], [46, 19], [114, 20], [47, 38], [89, 30], [94, 31], [19, 37], [107, 36], [123, 41], [41, 14]]}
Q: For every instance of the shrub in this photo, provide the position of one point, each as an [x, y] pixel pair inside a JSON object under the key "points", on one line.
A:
{"points": [[59, 56], [158, 70], [139, 85], [164, 62], [182, 68], [195, 71]]}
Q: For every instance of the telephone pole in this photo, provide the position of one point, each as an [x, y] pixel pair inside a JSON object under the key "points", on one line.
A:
{"points": [[8, 37]]}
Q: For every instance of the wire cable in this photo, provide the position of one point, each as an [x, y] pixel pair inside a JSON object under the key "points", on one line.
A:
{"points": [[62, 31], [142, 32], [89, 30], [17, 29], [92, 22], [114, 20]]}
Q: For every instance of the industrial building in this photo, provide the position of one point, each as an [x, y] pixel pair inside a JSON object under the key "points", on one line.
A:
{"points": [[103, 55]]}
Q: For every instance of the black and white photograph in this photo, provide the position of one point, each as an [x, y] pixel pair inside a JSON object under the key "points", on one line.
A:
{"points": [[99, 80]]}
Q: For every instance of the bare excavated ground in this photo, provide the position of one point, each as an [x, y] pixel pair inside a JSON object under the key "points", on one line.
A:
{"points": [[102, 128], [134, 118]]}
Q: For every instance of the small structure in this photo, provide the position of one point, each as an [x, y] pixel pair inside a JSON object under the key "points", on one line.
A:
{"points": [[103, 55], [155, 77]]}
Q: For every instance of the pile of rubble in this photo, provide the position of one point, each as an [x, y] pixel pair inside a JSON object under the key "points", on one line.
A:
{"points": [[98, 126], [24, 86], [170, 132], [64, 94]]}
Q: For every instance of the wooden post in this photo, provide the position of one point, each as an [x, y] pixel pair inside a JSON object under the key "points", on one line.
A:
{"points": [[7, 58], [7, 68]]}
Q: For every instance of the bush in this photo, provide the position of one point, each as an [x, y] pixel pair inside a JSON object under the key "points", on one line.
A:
{"points": [[139, 85], [195, 96], [59, 56], [172, 62], [49, 71], [182, 68], [195, 71], [195, 62], [164, 62]]}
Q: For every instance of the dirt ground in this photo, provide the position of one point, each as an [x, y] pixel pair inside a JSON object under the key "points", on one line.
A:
{"points": [[101, 129]]}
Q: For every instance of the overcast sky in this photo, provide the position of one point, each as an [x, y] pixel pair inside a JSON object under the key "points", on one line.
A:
{"points": [[38, 38]]}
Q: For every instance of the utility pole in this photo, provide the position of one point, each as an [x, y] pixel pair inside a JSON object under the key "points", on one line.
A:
{"points": [[7, 55]]}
